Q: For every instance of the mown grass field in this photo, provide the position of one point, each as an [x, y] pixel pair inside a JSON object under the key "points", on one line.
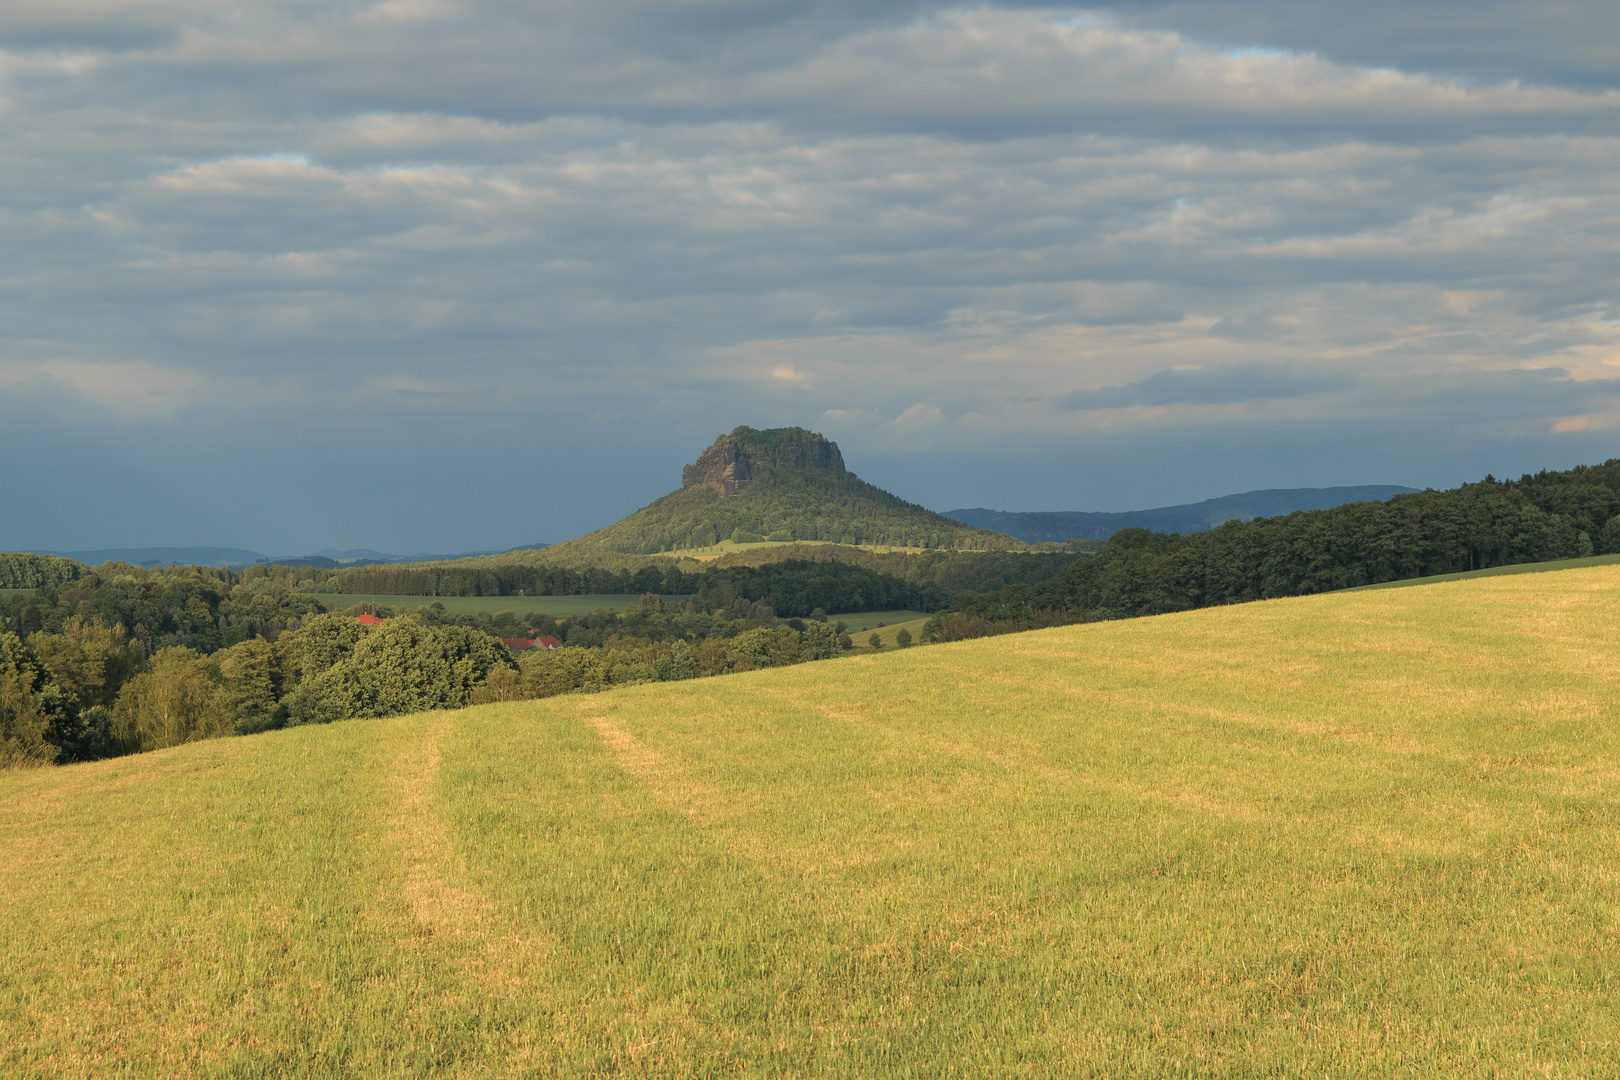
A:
{"points": [[1364, 834]]}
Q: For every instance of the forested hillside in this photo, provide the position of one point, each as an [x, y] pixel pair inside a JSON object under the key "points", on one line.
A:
{"points": [[781, 484], [1034, 528], [1492, 523], [943, 569]]}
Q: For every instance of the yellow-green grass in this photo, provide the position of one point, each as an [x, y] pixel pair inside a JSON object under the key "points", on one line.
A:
{"points": [[1500, 571], [1362, 834], [557, 607]]}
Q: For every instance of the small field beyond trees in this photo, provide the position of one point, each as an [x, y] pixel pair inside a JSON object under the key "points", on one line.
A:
{"points": [[1360, 834]]}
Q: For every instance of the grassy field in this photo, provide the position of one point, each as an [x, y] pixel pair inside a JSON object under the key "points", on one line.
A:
{"points": [[1364, 834], [886, 623], [556, 606]]}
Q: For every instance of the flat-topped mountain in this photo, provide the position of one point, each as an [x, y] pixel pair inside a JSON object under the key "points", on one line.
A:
{"points": [[728, 466], [778, 484]]}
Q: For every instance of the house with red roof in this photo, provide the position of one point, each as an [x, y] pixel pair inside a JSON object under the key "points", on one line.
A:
{"points": [[518, 644], [368, 619]]}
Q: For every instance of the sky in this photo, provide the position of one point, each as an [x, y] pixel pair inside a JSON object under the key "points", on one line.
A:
{"points": [[435, 275]]}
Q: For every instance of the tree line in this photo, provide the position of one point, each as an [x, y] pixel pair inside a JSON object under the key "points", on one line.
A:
{"points": [[118, 662], [24, 570], [1540, 517], [86, 690]]}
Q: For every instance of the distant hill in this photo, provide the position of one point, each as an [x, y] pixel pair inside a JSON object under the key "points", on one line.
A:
{"points": [[1034, 528], [327, 558], [779, 484], [163, 556]]}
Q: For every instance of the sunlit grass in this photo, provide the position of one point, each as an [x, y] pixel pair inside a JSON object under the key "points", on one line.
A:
{"points": [[1364, 834]]}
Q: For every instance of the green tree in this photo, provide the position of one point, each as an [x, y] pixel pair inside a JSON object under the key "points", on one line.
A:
{"points": [[820, 642], [248, 684], [89, 661], [323, 642], [679, 663], [902, 637], [749, 650], [177, 701], [875, 641], [1608, 542], [563, 671], [405, 667], [29, 704]]}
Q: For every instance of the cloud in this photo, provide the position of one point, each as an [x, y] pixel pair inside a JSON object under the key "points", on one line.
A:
{"points": [[919, 417], [1209, 386], [932, 227]]}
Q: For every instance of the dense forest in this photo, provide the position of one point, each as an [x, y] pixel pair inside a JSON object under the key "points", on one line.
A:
{"points": [[1492, 523], [941, 571]]}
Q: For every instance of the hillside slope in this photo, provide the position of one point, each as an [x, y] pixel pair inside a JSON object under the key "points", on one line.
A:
{"points": [[1035, 528], [783, 483], [1357, 834]]}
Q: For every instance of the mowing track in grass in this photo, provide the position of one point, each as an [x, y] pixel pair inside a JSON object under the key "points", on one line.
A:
{"points": [[1361, 834]]}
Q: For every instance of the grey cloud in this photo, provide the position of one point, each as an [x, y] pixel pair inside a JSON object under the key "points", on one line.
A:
{"points": [[458, 229], [1568, 42], [1208, 386], [1245, 328]]}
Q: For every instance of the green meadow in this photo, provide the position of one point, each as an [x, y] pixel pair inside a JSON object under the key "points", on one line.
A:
{"points": [[886, 623], [1364, 834]]}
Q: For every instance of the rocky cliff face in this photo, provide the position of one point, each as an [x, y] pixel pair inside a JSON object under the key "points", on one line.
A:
{"points": [[728, 466]]}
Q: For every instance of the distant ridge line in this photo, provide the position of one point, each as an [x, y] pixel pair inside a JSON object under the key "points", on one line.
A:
{"points": [[329, 559], [1042, 526]]}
